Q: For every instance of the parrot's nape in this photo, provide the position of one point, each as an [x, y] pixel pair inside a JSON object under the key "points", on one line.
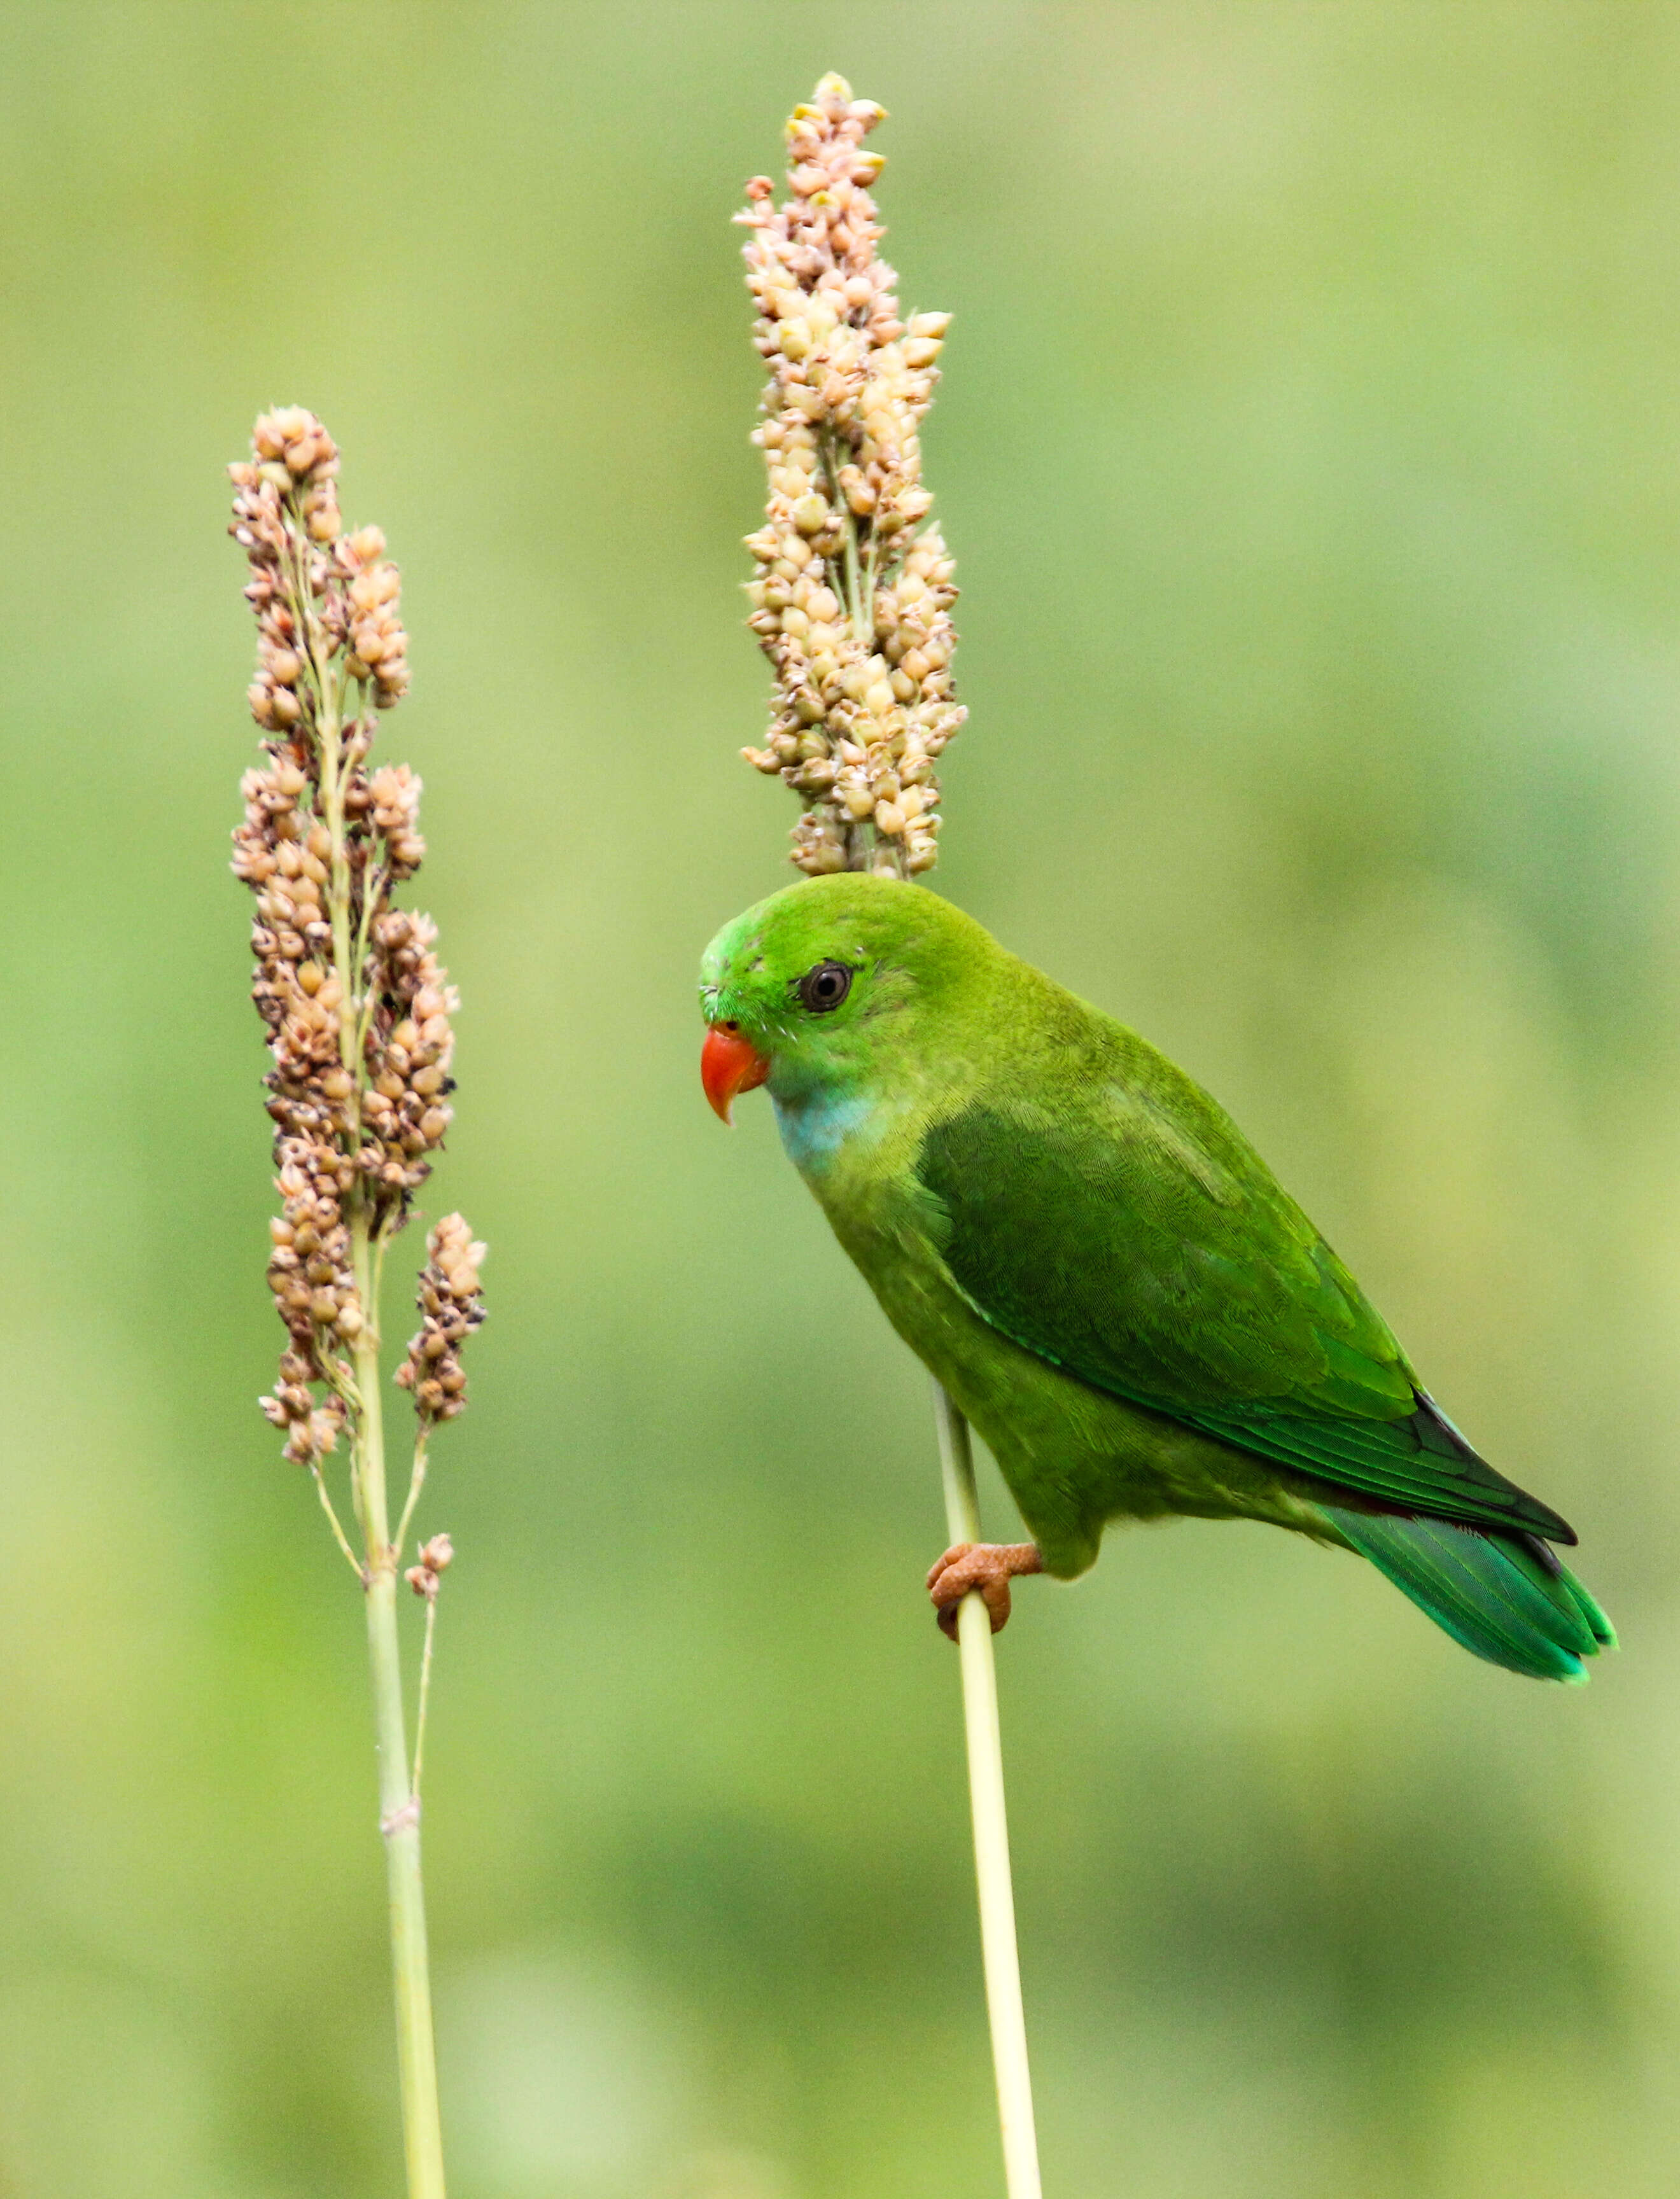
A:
{"points": [[1104, 1275]]}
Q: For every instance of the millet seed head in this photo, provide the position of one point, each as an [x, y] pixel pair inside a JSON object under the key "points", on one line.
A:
{"points": [[852, 600], [357, 1007]]}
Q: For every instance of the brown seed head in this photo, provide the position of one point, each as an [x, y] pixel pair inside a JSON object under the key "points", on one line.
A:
{"points": [[360, 1045], [435, 1556], [452, 1305]]}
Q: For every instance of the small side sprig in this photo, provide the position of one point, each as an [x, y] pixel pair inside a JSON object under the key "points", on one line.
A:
{"points": [[358, 1010], [852, 605]]}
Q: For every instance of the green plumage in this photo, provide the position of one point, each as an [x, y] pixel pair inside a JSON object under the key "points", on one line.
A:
{"points": [[1105, 1274]]}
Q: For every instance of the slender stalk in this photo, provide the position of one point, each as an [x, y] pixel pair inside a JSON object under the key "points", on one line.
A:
{"points": [[358, 1010], [342, 1539], [399, 1805], [416, 1482], [852, 606], [425, 1694], [991, 1826]]}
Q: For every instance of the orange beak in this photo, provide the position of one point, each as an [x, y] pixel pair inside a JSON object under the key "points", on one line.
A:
{"points": [[729, 1064]]}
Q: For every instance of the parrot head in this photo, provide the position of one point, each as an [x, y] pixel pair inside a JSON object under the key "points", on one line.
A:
{"points": [[810, 991]]}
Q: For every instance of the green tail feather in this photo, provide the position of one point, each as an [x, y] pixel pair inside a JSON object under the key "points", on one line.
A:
{"points": [[1505, 1597]]}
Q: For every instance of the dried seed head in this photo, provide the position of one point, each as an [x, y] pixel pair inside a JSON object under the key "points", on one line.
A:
{"points": [[361, 1045], [452, 1305], [436, 1557], [861, 657]]}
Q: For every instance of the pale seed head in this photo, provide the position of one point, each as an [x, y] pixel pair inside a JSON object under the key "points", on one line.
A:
{"points": [[850, 380]]}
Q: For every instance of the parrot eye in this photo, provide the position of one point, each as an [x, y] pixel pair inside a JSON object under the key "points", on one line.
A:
{"points": [[825, 987]]}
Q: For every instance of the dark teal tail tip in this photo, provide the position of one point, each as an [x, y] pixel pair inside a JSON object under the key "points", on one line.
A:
{"points": [[1503, 1598]]}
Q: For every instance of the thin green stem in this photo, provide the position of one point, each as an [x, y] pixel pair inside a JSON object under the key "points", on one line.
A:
{"points": [[425, 1685], [343, 1539], [330, 734], [991, 1825], [870, 563], [399, 1805], [353, 891], [372, 887], [416, 1482], [859, 582], [865, 630]]}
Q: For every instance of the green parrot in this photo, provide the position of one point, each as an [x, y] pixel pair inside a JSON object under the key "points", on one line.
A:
{"points": [[1081, 1246]]}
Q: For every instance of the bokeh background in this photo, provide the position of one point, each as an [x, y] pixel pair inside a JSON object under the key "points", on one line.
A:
{"points": [[1310, 445]]}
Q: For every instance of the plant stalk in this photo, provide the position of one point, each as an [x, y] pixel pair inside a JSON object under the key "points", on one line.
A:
{"points": [[317, 839], [399, 1806], [998, 1952]]}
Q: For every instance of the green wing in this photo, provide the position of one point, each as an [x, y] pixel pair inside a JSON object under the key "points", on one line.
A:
{"points": [[1126, 1233]]}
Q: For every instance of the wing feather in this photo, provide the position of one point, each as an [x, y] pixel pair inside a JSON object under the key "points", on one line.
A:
{"points": [[1136, 1240]]}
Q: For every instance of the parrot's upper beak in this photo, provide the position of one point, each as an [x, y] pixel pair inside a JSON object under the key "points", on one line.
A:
{"points": [[729, 1064]]}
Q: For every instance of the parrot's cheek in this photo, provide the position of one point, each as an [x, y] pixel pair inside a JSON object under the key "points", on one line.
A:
{"points": [[729, 1064]]}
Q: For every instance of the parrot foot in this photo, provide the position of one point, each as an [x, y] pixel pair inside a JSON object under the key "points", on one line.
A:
{"points": [[987, 1567]]}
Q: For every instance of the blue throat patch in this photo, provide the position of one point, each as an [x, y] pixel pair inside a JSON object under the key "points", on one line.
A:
{"points": [[813, 1127]]}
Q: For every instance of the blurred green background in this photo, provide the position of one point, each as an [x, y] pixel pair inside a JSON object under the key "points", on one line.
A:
{"points": [[1311, 446]]}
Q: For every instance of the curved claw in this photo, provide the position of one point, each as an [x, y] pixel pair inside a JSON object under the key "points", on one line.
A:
{"points": [[988, 1567]]}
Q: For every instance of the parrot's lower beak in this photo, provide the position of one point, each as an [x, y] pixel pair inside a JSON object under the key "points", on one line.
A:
{"points": [[729, 1064]]}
